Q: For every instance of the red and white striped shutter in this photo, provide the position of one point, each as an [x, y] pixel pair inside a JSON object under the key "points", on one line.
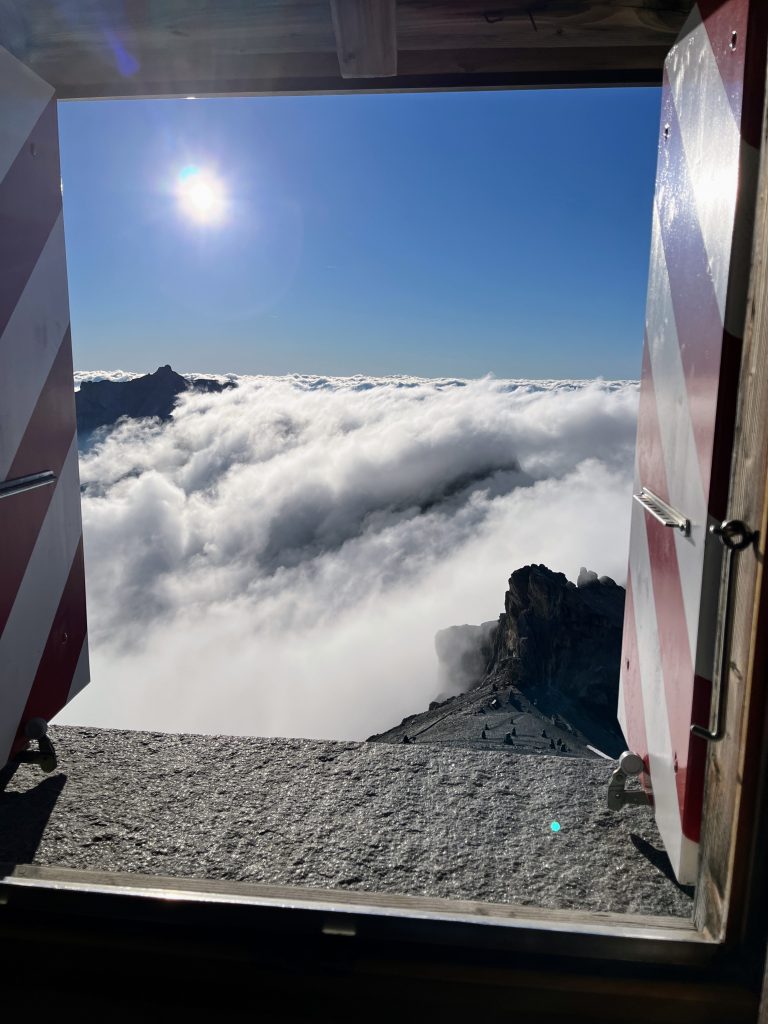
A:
{"points": [[709, 137], [43, 643]]}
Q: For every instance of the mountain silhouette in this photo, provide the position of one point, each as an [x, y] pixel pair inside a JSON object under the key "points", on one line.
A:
{"points": [[102, 403]]}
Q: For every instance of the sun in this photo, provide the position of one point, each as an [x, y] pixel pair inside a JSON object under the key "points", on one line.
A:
{"points": [[201, 195]]}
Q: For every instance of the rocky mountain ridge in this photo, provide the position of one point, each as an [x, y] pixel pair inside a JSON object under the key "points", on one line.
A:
{"points": [[543, 679], [102, 403]]}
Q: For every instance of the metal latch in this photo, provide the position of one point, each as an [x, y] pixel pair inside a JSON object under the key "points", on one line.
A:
{"points": [[734, 536], [629, 765], [662, 512]]}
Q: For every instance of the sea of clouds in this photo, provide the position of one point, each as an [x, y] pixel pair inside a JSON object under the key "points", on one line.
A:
{"points": [[277, 559]]}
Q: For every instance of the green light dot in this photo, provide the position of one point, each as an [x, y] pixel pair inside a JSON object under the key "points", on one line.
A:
{"points": [[555, 826]]}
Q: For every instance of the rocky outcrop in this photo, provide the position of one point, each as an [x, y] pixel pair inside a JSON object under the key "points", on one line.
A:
{"points": [[543, 679], [102, 403], [560, 644]]}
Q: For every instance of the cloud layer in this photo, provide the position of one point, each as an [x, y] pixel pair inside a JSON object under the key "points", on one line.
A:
{"points": [[278, 558]]}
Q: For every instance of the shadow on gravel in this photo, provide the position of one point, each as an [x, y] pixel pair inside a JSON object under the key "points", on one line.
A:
{"points": [[24, 816], [660, 861]]}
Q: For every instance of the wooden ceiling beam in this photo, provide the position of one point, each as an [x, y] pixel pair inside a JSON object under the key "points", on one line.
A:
{"points": [[366, 37], [112, 48]]}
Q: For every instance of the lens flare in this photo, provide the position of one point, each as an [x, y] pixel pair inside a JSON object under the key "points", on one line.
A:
{"points": [[201, 195]]}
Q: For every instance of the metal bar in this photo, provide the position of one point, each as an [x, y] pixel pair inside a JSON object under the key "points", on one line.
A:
{"points": [[26, 483], [662, 512], [715, 734], [734, 536], [600, 753]]}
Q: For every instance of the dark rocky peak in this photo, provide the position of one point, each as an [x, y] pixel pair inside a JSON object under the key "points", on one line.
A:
{"points": [[560, 643], [551, 660], [534, 589], [538, 600], [164, 375], [102, 403]]}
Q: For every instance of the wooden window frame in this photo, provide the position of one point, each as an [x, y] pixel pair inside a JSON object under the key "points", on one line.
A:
{"points": [[708, 968], [731, 877]]}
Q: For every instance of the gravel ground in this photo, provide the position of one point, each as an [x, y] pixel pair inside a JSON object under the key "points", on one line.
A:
{"points": [[419, 820]]}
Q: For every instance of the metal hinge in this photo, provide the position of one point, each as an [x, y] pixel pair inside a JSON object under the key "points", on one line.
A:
{"points": [[45, 755], [618, 796]]}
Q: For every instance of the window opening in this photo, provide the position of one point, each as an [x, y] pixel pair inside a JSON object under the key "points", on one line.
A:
{"points": [[388, 429]]}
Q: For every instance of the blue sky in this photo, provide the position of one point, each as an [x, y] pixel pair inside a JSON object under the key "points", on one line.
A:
{"points": [[452, 234]]}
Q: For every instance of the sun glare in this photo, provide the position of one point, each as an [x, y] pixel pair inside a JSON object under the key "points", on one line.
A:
{"points": [[201, 195]]}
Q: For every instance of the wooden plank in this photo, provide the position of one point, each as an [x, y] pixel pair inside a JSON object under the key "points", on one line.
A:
{"points": [[734, 818], [106, 48], [573, 60], [80, 76], [430, 25], [366, 37], [102, 26], [305, 26]]}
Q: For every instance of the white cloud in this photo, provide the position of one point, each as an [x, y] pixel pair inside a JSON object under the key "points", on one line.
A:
{"points": [[278, 558]]}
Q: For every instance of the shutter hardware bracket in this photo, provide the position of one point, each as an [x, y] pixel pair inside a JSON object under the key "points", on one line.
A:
{"points": [[734, 536], [618, 796], [45, 755]]}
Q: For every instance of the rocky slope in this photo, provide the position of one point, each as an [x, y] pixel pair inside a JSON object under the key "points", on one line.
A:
{"points": [[543, 679], [102, 403]]}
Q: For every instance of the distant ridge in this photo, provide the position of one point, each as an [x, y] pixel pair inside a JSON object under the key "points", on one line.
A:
{"points": [[102, 403]]}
